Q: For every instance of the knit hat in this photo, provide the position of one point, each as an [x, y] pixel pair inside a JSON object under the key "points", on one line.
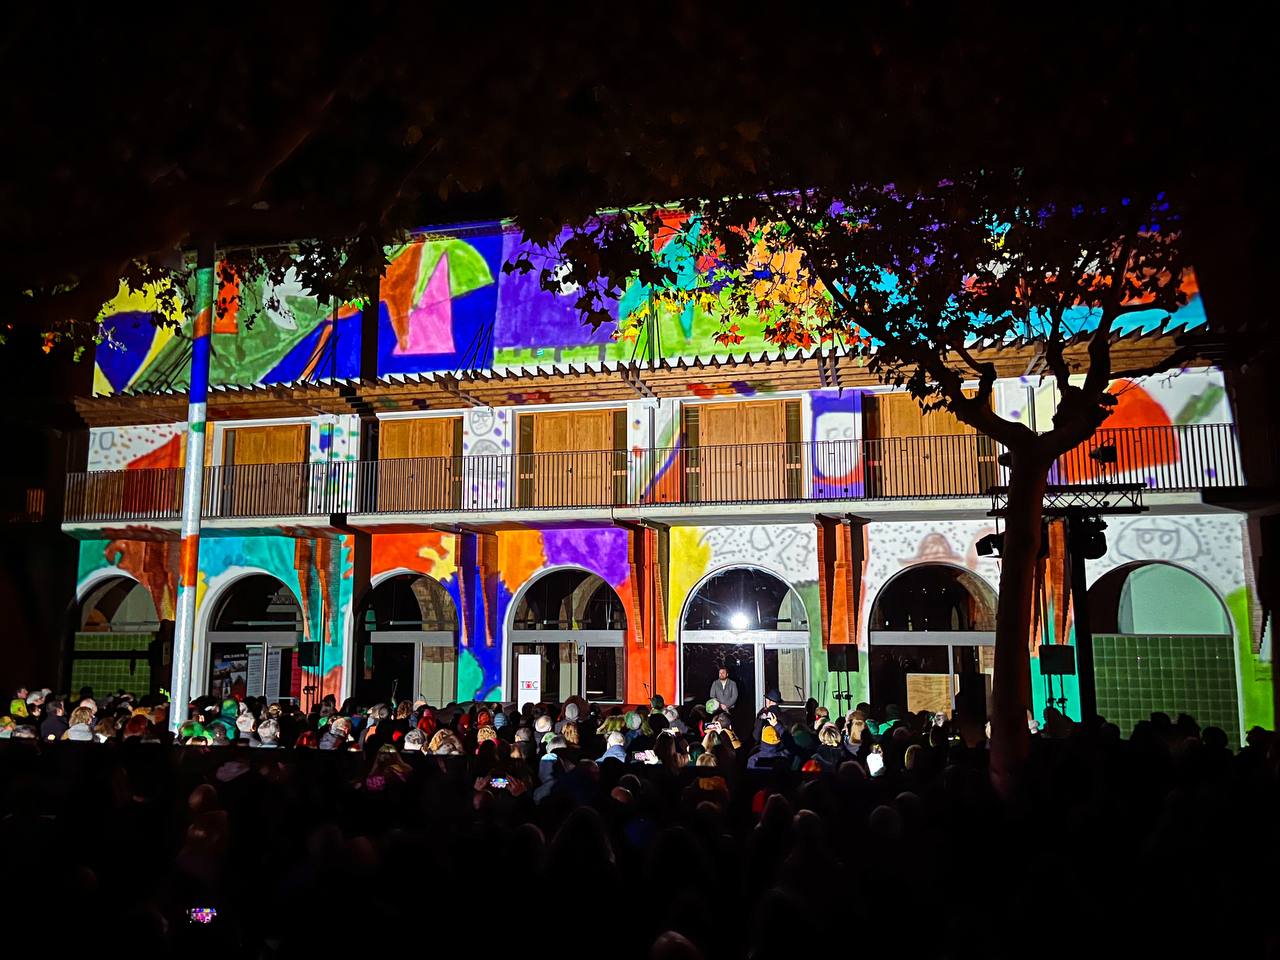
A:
{"points": [[770, 736]]}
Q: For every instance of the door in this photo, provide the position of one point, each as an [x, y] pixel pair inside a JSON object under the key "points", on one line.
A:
{"points": [[388, 672], [743, 450], [264, 470], [701, 664], [418, 465], [786, 669], [559, 667], [910, 453], [567, 459]]}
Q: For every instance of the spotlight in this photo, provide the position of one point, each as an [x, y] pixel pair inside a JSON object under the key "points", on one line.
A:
{"points": [[1105, 454], [739, 621], [1088, 538], [991, 543]]}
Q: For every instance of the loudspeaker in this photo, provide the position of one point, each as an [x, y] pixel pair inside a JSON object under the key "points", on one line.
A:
{"points": [[971, 698], [308, 654], [842, 658], [1057, 660]]}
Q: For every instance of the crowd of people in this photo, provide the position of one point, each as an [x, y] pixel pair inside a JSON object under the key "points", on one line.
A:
{"points": [[657, 830]]}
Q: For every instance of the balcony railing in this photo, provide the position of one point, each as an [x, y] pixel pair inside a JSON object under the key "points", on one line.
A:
{"points": [[1175, 458]]}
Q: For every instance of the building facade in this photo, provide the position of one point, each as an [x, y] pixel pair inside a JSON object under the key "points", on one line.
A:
{"points": [[467, 494]]}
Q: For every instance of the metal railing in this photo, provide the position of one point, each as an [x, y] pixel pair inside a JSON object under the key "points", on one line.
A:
{"points": [[1174, 458]]}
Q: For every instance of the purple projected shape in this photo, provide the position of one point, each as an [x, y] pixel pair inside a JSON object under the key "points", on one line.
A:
{"points": [[431, 318], [530, 317], [602, 551]]}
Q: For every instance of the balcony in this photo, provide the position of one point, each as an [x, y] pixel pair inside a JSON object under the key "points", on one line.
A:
{"points": [[1166, 459]]}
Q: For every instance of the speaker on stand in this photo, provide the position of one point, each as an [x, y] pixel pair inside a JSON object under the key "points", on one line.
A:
{"points": [[1056, 660], [842, 659]]}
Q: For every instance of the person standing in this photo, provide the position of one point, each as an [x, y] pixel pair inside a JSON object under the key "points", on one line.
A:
{"points": [[724, 691]]}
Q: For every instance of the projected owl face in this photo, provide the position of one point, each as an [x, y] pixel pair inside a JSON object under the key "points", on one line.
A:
{"points": [[1156, 539]]}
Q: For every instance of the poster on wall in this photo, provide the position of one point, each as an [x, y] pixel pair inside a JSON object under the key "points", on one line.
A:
{"points": [[229, 673], [255, 670], [272, 683]]}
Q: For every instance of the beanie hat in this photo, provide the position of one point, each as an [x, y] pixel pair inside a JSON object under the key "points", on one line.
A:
{"points": [[770, 736]]}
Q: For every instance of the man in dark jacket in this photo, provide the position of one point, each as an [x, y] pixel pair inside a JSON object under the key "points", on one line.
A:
{"points": [[767, 716], [54, 724]]}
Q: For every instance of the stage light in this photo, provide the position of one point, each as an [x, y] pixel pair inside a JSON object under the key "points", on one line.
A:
{"points": [[739, 621], [991, 543], [1105, 454], [1087, 537]]}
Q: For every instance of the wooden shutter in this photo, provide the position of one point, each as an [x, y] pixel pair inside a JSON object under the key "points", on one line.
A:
{"points": [[911, 453], [265, 471], [419, 471], [743, 450], [572, 458]]}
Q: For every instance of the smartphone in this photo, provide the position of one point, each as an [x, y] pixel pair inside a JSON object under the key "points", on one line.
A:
{"points": [[202, 914], [500, 783], [875, 764]]}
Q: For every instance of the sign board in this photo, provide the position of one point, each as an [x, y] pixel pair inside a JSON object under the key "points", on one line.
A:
{"points": [[256, 666], [929, 691], [272, 684], [528, 679]]}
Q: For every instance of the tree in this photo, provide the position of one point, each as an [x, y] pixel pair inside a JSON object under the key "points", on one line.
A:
{"points": [[912, 279], [349, 125]]}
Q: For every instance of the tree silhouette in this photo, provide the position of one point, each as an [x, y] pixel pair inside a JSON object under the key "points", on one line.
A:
{"points": [[914, 280]]}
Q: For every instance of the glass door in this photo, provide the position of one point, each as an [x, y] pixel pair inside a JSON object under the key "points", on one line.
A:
{"points": [[786, 668]]}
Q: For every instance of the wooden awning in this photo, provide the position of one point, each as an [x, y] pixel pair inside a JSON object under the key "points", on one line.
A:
{"points": [[604, 382]]}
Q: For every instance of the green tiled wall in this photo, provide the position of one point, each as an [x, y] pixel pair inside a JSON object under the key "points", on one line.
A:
{"points": [[1139, 675], [108, 675]]}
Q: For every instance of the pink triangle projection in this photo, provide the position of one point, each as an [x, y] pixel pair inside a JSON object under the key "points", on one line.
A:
{"points": [[431, 319]]}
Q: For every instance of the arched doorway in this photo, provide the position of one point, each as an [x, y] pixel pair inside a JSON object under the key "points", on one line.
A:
{"points": [[254, 643], [1162, 642], [407, 642], [932, 636], [118, 640], [754, 625], [574, 623]]}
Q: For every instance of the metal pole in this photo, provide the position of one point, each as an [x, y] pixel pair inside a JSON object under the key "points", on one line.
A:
{"points": [[184, 635]]}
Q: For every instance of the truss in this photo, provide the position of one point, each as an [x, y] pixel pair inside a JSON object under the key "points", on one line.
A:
{"points": [[1064, 501]]}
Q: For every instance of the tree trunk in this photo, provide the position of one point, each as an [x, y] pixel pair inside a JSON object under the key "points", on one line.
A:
{"points": [[1011, 686]]}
